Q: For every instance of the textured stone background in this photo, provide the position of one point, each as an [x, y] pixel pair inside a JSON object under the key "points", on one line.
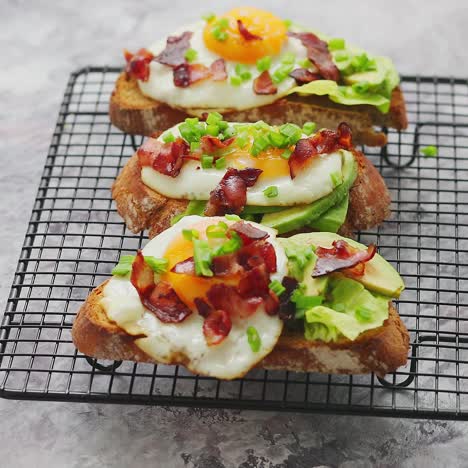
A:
{"points": [[42, 42]]}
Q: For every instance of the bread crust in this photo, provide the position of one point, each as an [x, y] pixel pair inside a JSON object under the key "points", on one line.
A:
{"points": [[381, 350], [143, 208], [137, 114]]}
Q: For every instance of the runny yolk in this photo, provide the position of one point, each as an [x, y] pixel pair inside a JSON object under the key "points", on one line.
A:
{"points": [[269, 161], [269, 27], [189, 287]]}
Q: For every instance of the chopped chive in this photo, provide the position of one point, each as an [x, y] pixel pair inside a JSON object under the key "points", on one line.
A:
{"points": [[271, 192], [219, 34], [158, 265], [286, 154], [287, 23], [168, 137], [242, 140], [292, 131], [233, 244], [264, 63], [243, 72], [336, 178], [308, 128], [194, 145], [124, 267], [190, 234], [281, 73], [363, 314], [306, 63], [277, 139], [220, 163], [277, 287], [341, 56], [208, 17], [217, 231], [229, 132], [212, 130], [235, 80], [223, 23], [305, 302], [190, 54], [429, 151], [207, 161], [261, 125], [202, 257], [214, 118], [232, 217], [288, 58], [336, 44], [254, 339], [259, 144]]}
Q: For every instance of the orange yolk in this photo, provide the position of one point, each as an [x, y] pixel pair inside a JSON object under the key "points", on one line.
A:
{"points": [[269, 161], [189, 287], [269, 27]]}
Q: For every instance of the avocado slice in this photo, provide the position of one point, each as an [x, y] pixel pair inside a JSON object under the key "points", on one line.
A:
{"points": [[379, 276], [314, 286], [334, 218], [299, 216]]}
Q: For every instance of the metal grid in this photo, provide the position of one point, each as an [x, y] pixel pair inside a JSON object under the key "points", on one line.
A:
{"points": [[75, 237]]}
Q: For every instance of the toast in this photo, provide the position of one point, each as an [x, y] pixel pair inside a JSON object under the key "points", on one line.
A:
{"points": [[143, 208], [380, 350], [136, 114]]}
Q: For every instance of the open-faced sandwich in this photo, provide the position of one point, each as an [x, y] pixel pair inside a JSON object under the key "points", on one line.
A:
{"points": [[249, 65], [286, 177], [220, 295]]}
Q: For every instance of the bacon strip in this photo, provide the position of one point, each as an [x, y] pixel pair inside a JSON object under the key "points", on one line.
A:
{"points": [[160, 299], [340, 256], [186, 267], [230, 195], [174, 53], [245, 33], [218, 70], [318, 54], [138, 65], [209, 143], [263, 84], [216, 327], [303, 76], [323, 142], [187, 74], [248, 233]]}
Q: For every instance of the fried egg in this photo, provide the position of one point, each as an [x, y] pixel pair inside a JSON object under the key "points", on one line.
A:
{"points": [[235, 50], [195, 183], [184, 342]]}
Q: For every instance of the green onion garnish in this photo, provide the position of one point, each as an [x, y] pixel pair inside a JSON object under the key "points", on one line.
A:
{"points": [[235, 80], [207, 161], [286, 154], [168, 137], [190, 234], [217, 231], [292, 131], [212, 130], [287, 23], [259, 144], [429, 151], [124, 267], [277, 139], [308, 128], [281, 73], [202, 257], [363, 314], [243, 72], [220, 163], [277, 287], [208, 17], [254, 339], [213, 118], [232, 217], [230, 246], [336, 44], [158, 265], [194, 145], [288, 58], [271, 192], [264, 63], [190, 54], [306, 63]]}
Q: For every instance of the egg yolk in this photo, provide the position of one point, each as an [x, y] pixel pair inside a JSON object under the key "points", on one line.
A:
{"points": [[264, 24], [189, 287], [269, 161]]}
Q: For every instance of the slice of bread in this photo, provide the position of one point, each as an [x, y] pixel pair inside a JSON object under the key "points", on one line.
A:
{"points": [[137, 114], [381, 350], [143, 208]]}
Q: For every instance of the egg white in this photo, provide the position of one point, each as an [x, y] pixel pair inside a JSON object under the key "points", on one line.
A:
{"points": [[184, 342], [195, 183], [209, 94]]}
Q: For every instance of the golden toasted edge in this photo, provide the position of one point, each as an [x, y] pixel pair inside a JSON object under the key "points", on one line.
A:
{"points": [[381, 350], [143, 208], [137, 114]]}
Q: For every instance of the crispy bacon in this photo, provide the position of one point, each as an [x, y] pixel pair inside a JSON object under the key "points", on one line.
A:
{"points": [[257, 253], [263, 84], [138, 65], [287, 308], [230, 195], [225, 265], [218, 70], [174, 53], [166, 158], [209, 143], [216, 327], [318, 54], [187, 74], [160, 299], [248, 233], [254, 283], [245, 33], [303, 76], [186, 267], [202, 306], [340, 256], [226, 297], [325, 141]]}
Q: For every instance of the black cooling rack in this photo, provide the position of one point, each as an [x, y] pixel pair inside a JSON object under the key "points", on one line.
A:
{"points": [[75, 237]]}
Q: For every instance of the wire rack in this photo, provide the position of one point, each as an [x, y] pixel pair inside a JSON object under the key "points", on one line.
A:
{"points": [[75, 237]]}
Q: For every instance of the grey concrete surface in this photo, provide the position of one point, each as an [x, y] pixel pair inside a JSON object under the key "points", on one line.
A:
{"points": [[42, 42]]}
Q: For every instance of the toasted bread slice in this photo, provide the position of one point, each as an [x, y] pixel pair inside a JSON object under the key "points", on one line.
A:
{"points": [[137, 114], [381, 350], [143, 208]]}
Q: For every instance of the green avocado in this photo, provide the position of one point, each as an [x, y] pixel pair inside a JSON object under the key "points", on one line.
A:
{"points": [[291, 219], [374, 77], [314, 286], [379, 276], [334, 218]]}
